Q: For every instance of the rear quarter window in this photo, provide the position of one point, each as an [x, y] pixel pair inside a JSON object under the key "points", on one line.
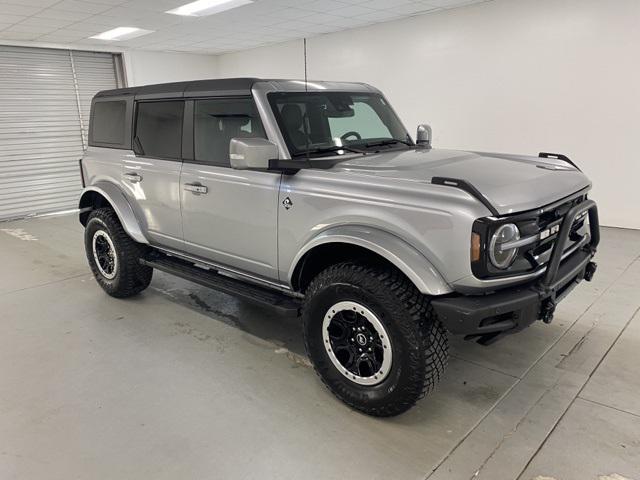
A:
{"points": [[109, 122]]}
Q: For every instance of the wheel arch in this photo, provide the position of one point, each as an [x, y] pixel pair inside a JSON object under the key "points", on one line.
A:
{"points": [[371, 245], [106, 194]]}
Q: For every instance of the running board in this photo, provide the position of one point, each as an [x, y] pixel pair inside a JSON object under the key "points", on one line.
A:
{"points": [[282, 302]]}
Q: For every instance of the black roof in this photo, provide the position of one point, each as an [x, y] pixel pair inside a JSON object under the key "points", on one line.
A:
{"points": [[223, 86]]}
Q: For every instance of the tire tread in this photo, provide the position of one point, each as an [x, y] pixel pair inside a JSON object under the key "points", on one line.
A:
{"points": [[133, 277], [431, 336]]}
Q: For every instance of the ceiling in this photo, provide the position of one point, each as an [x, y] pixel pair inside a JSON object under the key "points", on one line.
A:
{"points": [[260, 23]]}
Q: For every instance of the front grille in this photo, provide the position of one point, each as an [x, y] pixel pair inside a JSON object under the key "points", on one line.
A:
{"points": [[538, 253], [542, 227]]}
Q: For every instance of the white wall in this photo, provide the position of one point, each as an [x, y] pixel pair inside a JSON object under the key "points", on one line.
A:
{"points": [[143, 67], [518, 76]]}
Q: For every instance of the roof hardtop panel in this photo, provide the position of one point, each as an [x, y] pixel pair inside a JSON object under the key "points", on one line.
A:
{"points": [[227, 87], [117, 92], [161, 90], [220, 87], [293, 85], [195, 88]]}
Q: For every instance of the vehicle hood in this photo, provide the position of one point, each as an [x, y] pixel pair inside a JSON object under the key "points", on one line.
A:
{"points": [[512, 183]]}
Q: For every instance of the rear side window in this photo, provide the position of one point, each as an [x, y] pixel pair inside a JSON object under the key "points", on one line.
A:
{"points": [[217, 121], [159, 129], [109, 122]]}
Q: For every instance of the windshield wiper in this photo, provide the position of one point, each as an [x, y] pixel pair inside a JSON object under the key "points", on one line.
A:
{"points": [[390, 141], [334, 148]]}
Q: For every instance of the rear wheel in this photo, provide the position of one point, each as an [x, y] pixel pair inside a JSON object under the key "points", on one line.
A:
{"points": [[113, 256], [373, 338]]}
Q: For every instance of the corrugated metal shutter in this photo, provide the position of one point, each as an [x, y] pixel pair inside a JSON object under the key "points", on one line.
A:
{"points": [[94, 72], [41, 136]]}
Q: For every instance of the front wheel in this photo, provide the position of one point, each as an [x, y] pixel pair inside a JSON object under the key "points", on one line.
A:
{"points": [[113, 256], [373, 338]]}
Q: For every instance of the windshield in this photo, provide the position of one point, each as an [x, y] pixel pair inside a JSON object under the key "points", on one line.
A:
{"points": [[319, 123]]}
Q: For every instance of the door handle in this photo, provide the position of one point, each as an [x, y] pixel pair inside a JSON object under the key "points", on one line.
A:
{"points": [[133, 177], [195, 188]]}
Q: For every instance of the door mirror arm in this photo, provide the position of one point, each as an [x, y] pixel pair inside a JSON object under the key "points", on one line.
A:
{"points": [[288, 167]]}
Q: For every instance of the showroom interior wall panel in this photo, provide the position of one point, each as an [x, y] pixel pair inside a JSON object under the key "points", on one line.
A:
{"points": [[520, 76], [42, 92]]}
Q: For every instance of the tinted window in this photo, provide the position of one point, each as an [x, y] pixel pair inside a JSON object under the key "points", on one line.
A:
{"points": [[321, 121], [108, 122], [217, 121], [159, 128], [368, 124]]}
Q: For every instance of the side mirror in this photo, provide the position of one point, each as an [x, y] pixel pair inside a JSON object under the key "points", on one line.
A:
{"points": [[252, 153], [423, 138]]}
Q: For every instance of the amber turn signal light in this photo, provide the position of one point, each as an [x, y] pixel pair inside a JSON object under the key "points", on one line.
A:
{"points": [[475, 247]]}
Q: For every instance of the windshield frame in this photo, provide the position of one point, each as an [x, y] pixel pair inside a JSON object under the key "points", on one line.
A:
{"points": [[358, 147]]}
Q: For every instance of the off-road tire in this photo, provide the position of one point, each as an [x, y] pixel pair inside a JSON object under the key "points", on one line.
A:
{"points": [[131, 277], [419, 341]]}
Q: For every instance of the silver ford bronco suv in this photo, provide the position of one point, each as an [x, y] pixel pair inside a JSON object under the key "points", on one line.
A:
{"points": [[311, 197]]}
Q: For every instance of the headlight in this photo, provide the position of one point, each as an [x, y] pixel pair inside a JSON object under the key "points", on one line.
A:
{"points": [[503, 258]]}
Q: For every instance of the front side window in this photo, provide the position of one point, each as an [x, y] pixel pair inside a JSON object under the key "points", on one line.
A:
{"points": [[217, 121], [319, 123], [159, 129]]}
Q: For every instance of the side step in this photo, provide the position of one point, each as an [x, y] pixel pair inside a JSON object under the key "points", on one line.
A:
{"points": [[210, 278]]}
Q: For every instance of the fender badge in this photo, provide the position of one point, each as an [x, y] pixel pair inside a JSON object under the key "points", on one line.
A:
{"points": [[287, 203]]}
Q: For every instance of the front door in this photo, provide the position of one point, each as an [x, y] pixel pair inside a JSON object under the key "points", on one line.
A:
{"points": [[151, 177], [229, 217]]}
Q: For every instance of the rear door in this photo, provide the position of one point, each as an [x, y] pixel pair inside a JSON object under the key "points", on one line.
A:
{"points": [[229, 216], [151, 177]]}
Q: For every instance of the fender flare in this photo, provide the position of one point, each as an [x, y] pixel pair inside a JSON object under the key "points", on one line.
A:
{"points": [[120, 205], [401, 254]]}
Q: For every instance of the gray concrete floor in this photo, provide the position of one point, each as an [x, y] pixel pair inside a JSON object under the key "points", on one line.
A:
{"points": [[183, 382]]}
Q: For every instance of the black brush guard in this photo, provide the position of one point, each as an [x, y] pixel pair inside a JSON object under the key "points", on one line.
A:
{"points": [[486, 318]]}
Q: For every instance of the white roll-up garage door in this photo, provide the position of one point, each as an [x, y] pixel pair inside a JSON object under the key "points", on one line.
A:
{"points": [[45, 96]]}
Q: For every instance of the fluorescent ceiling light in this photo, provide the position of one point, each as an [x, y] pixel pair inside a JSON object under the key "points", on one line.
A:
{"points": [[122, 33], [201, 8]]}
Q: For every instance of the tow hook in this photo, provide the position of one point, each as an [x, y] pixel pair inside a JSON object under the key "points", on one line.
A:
{"points": [[548, 309], [590, 271]]}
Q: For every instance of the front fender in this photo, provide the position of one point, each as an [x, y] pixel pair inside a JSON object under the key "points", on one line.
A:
{"points": [[120, 205], [406, 258]]}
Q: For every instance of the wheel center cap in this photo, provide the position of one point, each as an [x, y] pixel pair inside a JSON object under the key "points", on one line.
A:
{"points": [[361, 338]]}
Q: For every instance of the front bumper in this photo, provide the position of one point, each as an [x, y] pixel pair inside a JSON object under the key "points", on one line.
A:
{"points": [[486, 318]]}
